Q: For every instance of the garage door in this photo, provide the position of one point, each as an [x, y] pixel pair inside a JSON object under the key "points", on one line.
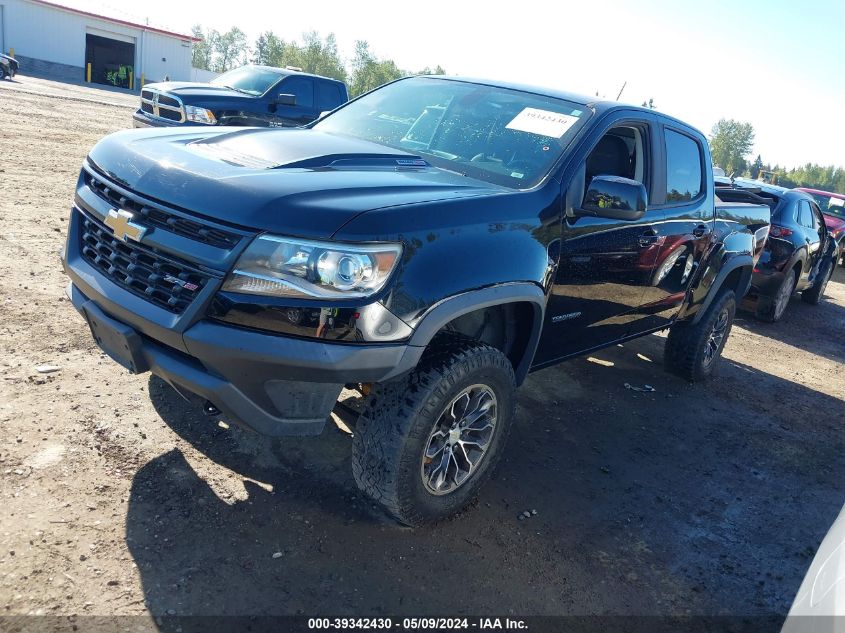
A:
{"points": [[112, 60]]}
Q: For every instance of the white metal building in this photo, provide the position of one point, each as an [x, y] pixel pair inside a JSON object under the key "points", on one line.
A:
{"points": [[54, 39]]}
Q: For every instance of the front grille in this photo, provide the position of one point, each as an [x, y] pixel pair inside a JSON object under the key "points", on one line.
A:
{"points": [[170, 115], [164, 281], [162, 105], [153, 217], [166, 100]]}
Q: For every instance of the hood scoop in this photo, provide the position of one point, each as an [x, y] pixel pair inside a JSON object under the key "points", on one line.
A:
{"points": [[231, 155], [302, 149]]}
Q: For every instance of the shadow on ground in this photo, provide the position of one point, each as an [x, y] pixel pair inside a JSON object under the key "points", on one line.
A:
{"points": [[693, 499]]}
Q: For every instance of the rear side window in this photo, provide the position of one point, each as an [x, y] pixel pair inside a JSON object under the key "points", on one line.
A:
{"points": [[329, 96], [683, 167], [805, 214], [302, 88], [785, 213]]}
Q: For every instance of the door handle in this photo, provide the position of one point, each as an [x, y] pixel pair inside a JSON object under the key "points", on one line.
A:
{"points": [[701, 229], [649, 238]]}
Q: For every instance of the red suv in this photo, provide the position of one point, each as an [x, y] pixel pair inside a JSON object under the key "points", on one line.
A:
{"points": [[833, 208]]}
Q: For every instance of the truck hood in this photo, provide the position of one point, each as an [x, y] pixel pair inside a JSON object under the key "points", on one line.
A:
{"points": [[190, 91], [290, 181]]}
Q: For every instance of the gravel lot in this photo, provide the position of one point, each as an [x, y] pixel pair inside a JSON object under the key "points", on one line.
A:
{"points": [[119, 499]]}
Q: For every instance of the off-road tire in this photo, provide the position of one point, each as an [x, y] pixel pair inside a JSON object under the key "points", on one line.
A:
{"points": [[767, 307], [399, 416], [685, 353], [814, 295]]}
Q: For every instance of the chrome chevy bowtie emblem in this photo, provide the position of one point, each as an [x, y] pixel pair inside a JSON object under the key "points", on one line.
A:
{"points": [[124, 228]]}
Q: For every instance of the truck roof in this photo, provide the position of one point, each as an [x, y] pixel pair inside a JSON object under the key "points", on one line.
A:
{"points": [[289, 71]]}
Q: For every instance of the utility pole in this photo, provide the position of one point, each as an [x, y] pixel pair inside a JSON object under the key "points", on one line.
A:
{"points": [[621, 89]]}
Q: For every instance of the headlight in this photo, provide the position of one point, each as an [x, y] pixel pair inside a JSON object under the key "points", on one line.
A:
{"points": [[286, 267], [199, 115]]}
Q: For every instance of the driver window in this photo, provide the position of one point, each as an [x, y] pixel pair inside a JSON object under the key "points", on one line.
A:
{"points": [[620, 152], [302, 88]]}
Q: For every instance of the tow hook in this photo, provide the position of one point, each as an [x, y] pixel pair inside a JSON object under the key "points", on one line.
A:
{"points": [[209, 409]]}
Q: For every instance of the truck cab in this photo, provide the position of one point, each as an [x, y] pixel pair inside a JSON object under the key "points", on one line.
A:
{"points": [[431, 242], [262, 96]]}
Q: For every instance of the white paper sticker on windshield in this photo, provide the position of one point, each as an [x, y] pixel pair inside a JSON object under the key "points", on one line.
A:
{"points": [[542, 122]]}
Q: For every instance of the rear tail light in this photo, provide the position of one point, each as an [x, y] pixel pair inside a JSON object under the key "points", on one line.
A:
{"points": [[779, 231]]}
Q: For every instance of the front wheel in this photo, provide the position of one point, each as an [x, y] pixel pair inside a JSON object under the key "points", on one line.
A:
{"points": [[693, 350], [426, 443]]}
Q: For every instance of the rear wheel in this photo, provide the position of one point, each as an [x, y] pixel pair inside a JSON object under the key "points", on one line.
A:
{"points": [[693, 350], [772, 308], [814, 295], [426, 443]]}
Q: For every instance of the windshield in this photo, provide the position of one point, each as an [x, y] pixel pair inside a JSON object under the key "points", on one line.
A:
{"points": [[248, 79], [830, 205], [507, 137]]}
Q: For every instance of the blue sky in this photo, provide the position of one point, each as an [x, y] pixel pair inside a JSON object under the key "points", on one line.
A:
{"points": [[779, 65]]}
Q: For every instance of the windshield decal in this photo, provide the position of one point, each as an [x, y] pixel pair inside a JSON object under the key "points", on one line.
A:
{"points": [[542, 122]]}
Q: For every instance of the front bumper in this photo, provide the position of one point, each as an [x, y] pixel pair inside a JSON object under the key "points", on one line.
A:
{"points": [[141, 119], [274, 384]]}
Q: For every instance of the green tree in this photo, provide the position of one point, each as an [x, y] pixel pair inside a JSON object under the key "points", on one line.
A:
{"points": [[230, 50], [730, 142], [369, 72], [320, 57], [203, 50], [438, 70], [315, 55], [756, 167], [269, 49], [825, 177]]}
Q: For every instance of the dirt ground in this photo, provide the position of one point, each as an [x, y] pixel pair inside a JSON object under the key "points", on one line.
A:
{"points": [[117, 498]]}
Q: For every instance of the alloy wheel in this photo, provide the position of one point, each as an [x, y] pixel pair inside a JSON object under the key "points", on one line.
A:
{"points": [[716, 337], [459, 440]]}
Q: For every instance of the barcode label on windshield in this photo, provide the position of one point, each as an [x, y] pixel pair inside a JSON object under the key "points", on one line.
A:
{"points": [[542, 122]]}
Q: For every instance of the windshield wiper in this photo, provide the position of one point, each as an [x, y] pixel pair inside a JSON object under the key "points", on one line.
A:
{"points": [[246, 92]]}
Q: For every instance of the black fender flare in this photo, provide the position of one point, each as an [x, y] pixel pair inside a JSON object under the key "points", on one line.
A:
{"points": [[737, 261], [445, 311]]}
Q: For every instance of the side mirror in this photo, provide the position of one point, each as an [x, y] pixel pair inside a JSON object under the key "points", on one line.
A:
{"points": [[286, 99], [614, 197]]}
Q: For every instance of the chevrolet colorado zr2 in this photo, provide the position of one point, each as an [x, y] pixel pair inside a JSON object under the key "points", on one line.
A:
{"points": [[434, 241]]}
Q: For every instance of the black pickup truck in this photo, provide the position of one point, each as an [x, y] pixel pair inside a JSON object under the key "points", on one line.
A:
{"points": [[433, 242], [262, 96]]}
